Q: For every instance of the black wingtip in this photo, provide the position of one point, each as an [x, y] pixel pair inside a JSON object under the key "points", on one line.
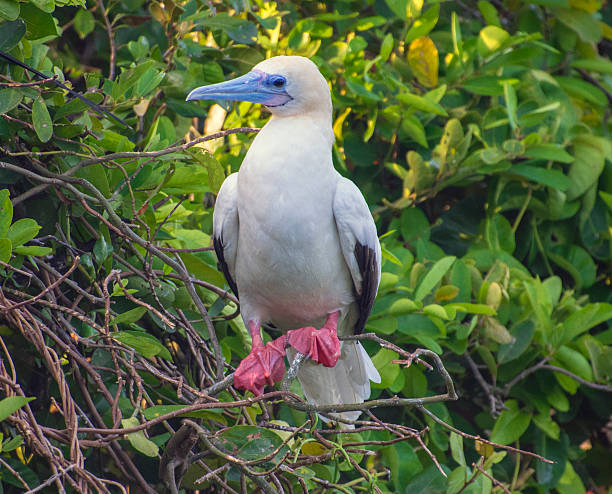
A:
{"points": [[92, 105], [366, 261]]}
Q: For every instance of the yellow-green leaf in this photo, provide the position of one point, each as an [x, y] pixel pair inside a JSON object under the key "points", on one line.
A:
{"points": [[138, 440], [491, 39], [313, 448], [423, 60]]}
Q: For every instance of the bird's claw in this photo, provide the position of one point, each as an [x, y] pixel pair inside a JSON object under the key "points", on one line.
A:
{"points": [[264, 365], [321, 345]]}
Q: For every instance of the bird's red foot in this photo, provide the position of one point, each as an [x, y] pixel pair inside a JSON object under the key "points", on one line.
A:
{"points": [[264, 365], [321, 345]]}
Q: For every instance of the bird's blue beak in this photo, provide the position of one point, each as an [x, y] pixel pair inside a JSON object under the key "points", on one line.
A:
{"points": [[256, 87]]}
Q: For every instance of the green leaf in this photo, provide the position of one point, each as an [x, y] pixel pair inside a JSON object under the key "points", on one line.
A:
{"points": [[422, 104], [12, 32], [128, 79], [186, 108], [577, 262], [424, 24], [238, 29], [145, 344], [428, 481], [370, 22], [584, 319], [401, 8], [522, 334], [589, 153], [33, 250], [414, 128], [5, 249], [158, 410], [12, 444], [388, 371], [22, 231], [6, 212], [386, 325], [42, 120], [130, 316], [548, 474], [414, 225], [357, 87], [548, 425], [433, 277], [456, 479], [97, 175], [202, 270], [84, 23], [9, 9], [486, 85], [386, 48], [9, 99], [489, 12], [45, 5], [249, 442], [597, 64], [11, 404], [570, 482], [216, 172], [582, 90], [102, 249], [76, 106], [510, 425], [607, 198], [552, 152], [456, 445], [482, 309], [574, 362], [546, 176], [583, 23], [435, 310], [499, 234], [148, 82], [511, 102], [41, 26], [138, 440]]}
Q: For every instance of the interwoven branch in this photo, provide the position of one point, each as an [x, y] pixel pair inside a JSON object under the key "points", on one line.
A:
{"points": [[50, 302]]}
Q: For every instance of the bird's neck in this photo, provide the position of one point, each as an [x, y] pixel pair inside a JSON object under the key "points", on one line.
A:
{"points": [[321, 120]]}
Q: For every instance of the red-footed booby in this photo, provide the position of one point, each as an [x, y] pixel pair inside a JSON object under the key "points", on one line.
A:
{"points": [[295, 240]]}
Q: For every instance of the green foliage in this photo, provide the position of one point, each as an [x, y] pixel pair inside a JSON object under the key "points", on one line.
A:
{"points": [[479, 134]]}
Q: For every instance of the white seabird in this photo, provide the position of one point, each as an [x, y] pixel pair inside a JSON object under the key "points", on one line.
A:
{"points": [[296, 241]]}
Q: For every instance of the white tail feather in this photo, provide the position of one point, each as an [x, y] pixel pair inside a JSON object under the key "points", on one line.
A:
{"points": [[347, 382]]}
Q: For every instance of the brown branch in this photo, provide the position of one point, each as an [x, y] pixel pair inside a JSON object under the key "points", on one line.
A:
{"points": [[491, 478], [48, 288], [161, 152], [27, 84], [111, 40], [478, 438], [584, 382]]}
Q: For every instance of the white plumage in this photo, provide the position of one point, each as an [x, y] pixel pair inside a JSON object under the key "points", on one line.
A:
{"points": [[296, 240]]}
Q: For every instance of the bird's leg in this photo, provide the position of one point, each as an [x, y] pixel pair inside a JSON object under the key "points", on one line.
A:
{"points": [[265, 364], [321, 345]]}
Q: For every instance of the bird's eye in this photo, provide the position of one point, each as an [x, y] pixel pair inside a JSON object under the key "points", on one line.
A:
{"points": [[278, 81]]}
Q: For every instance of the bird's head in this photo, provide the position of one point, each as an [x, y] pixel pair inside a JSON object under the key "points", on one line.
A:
{"points": [[285, 85]]}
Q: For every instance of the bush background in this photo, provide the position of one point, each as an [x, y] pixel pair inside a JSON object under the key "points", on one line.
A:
{"points": [[479, 134]]}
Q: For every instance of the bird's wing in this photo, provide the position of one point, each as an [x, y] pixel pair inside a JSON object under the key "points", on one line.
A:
{"points": [[360, 245], [225, 228]]}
